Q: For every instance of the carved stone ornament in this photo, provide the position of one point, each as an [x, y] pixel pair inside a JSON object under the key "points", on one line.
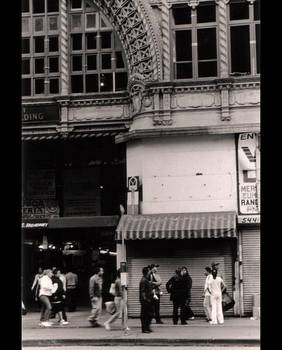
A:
{"points": [[193, 3], [136, 86]]}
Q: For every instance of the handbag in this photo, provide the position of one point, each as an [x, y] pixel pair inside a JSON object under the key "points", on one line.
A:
{"points": [[227, 301], [112, 289], [110, 307]]}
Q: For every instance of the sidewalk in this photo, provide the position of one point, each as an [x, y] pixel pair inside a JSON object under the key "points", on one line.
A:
{"points": [[236, 331]]}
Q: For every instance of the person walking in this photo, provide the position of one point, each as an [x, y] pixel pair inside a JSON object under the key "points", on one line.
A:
{"points": [[71, 290], [47, 288], [36, 283], [146, 300], [156, 280], [95, 294], [178, 286], [215, 287], [118, 302], [57, 299], [207, 295], [188, 311]]}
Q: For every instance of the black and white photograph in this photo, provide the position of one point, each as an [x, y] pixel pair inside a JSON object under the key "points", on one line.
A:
{"points": [[140, 174]]}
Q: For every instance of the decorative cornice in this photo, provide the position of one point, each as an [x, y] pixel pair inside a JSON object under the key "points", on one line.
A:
{"points": [[201, 130]]}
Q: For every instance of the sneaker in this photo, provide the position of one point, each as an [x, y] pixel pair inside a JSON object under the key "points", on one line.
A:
{"points": [[212, 322], [63, 322], [45, 324], [107, 326], [191, 318]]}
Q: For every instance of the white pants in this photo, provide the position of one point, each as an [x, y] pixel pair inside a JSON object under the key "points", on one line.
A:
{"points": [[96, 309], [207, 306], [216, 309]]}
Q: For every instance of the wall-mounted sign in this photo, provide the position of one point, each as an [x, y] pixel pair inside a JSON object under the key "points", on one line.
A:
{"points": [[39, 114], [248, 219], [38, 209], [247, 172], [133, 183]]}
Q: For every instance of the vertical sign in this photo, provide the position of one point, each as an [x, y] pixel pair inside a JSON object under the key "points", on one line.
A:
{"points": [[133, 195], [248, 193]]}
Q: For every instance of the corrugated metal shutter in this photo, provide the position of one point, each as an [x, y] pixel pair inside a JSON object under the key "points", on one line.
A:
{"points": [[251, 267], [195, 260]]}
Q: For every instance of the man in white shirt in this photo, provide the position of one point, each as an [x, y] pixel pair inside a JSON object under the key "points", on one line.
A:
{"points": [[47, 288], [215, 287], [207, 295]]}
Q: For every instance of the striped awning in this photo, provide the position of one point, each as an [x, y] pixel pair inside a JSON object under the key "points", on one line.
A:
{"points": [[177, 226]]}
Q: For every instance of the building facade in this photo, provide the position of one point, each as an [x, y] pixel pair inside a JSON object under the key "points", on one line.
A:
{"points": [[155, 106]]}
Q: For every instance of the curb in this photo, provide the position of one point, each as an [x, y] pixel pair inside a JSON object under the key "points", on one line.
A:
{"points": [[138, 342]]}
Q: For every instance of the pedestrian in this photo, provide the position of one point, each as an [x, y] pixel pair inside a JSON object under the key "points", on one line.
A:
{"points": [[189, 313], [118, 302], [95, 293], [57, 299], [146, 300], [71, 290], [35, 285], [156, 280], [207, 295], [62, 277], [24, 312], [215, 287], [47, 288], [178, 286]]}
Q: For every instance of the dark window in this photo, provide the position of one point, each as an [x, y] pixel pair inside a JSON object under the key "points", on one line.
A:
{"points": [[91, 41], [92, 62], [77, 83], [77, 63], [105, 40], [53, 44], [257, 10], [26, 87], [106, 82], [181, 15], [39, 86], [26, 66], [239, 9], [25, 5], [39, 65], [25, 46], [119, 60], [106, 61], [54, 86], [206, 43], [52, 6], [39, 44], [240, 49], [121, 81], [206, 12], [258, 46], [38, 6], [183, 70], [92, 83], [76, 4], [53, 64], [183, 45], [77, 41], [207, 69]]}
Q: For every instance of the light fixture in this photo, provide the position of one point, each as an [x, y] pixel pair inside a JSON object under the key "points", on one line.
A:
{"points": [[102, 80]]}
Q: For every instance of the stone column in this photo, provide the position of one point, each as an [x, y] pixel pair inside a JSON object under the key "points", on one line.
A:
{"points": [[64, 48]]}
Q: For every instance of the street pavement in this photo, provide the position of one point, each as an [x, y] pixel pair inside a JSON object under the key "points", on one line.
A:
{"points": [[239, 331]]}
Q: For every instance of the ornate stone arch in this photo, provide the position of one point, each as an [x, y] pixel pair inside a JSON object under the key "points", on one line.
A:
{"points": [[139, 34]]}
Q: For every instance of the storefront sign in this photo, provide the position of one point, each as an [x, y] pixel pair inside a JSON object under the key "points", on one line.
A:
{"points": [[248, 219], [248, 189], [38, 209], [39, 114]]}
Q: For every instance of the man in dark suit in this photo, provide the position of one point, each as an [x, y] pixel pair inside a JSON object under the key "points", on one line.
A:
{"points": [[146, 300]]}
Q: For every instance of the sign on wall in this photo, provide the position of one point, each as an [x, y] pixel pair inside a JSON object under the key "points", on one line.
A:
{"points": [[39, 209], [39, 114], [247, 172]]}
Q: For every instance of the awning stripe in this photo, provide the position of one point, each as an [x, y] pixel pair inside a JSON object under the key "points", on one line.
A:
{"points": [[177, 226]]}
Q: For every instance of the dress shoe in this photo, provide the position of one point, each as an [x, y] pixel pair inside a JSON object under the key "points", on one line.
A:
{"points": [[146, 332], [184, 322], [159, 322]]}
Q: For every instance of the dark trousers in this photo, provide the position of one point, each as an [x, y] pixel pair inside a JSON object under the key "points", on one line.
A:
{"points": [[156, 308], [146, 315], [71, 299], [176, 305]]}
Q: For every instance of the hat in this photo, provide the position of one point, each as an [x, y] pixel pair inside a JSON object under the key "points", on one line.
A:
{"points": [[153, 265]]}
